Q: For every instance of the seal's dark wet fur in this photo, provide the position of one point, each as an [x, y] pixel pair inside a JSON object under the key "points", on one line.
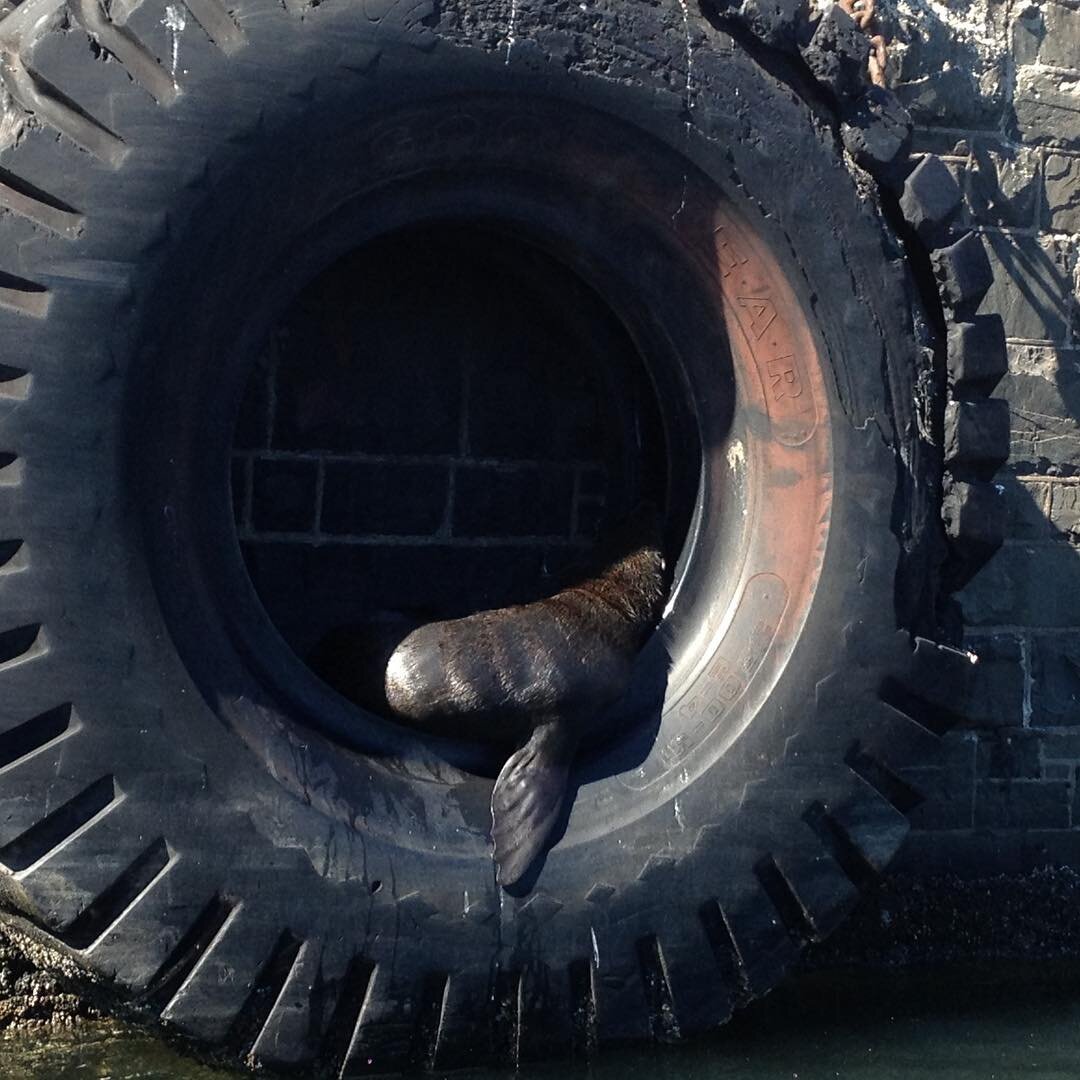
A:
{"points": [[539, 674]]}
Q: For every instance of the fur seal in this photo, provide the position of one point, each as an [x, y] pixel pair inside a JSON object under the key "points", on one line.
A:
{"points": [[536, 676]]}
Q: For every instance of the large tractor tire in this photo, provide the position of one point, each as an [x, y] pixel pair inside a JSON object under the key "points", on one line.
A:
{"points": [[183, 804]]}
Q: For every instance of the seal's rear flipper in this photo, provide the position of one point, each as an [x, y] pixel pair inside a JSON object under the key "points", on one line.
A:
{"points": [[527, 798]]}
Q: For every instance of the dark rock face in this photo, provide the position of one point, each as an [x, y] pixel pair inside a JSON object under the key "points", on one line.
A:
{"points": [[949, 919], [42, 989]]}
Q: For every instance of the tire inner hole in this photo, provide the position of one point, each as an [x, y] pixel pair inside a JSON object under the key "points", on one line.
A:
{"points": [[443, 421]]}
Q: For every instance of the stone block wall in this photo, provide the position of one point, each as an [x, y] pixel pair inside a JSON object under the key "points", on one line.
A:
{"points": [[435, 465], [995, 87]]}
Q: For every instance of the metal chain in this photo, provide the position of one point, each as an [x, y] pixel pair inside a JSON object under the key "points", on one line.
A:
{"points": [[862, 11]]}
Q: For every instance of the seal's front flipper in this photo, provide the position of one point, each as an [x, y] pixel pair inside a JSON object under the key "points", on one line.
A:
{"points": [[527, 798]]}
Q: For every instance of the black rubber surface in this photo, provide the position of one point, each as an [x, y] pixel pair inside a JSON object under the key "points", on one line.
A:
{"points": [[161, 812]]}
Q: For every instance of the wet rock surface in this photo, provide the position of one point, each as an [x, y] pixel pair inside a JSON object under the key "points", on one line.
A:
{"points": [[910, 920], [900, 989], [907, 921], [42, 989]]}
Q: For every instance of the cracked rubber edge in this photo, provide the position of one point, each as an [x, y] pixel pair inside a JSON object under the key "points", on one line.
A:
{"points": [[920, 196]]}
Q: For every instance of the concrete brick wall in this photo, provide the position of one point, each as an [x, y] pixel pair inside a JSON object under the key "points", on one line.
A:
{"points": [[430, 464], [996, 88]]}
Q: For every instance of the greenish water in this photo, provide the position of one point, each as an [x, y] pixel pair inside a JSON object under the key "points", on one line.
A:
{"points": [[961, 1023]]}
